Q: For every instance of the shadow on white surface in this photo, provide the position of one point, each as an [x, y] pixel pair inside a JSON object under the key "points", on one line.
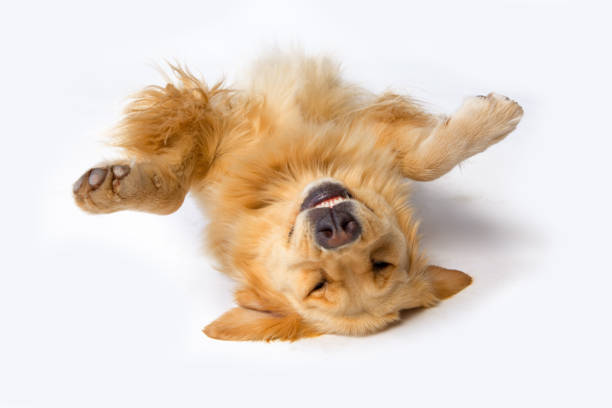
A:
{"points": [[465, 221]]}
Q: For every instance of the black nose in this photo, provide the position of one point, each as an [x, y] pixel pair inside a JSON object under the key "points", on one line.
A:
{"points": [[334, 227]]}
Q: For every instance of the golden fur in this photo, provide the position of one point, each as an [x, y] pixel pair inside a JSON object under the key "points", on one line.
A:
{"points": [[250, 153]]}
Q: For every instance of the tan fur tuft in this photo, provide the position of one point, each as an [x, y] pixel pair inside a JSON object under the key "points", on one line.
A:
{"points": [[176, 123]]}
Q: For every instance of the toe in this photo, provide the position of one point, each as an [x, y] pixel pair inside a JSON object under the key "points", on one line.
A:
{"points": [[77, 185], [97, 177], [120, 171]]}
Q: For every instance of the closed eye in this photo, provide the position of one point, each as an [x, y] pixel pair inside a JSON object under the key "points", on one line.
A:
{"points": [[378, 266], [382, 271], [318, 287]]}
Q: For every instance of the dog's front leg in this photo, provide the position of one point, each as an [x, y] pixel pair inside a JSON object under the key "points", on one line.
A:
{"points": [[170, 136], [428, 153]]}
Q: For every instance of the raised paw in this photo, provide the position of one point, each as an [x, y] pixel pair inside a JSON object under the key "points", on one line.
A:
{"points": [[485, 120], [99, 189], [140, 186], [497, 115]]}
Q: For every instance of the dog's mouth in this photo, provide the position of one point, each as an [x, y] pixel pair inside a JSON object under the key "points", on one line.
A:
{"points": [[328, 195]]}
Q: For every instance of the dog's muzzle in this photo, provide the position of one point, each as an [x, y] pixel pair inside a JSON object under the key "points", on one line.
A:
{"points": [[330, 212]]}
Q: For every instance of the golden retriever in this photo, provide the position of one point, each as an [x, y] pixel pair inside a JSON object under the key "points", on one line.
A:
{"points": [[306, 181]]}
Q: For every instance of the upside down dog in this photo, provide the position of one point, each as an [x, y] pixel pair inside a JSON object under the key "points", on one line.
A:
{"points": [[305, 178]]}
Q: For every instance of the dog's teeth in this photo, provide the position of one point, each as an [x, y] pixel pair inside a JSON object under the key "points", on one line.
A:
{"points": [[330, 202]]}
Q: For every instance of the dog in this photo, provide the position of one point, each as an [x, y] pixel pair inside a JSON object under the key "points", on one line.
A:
{"points": [[306, 181]]}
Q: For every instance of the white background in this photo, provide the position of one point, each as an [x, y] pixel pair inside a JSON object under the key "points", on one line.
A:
{"points": [[106, 311]]}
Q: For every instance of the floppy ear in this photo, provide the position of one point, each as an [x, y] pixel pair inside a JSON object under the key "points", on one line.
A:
{"points": [[247, 324], [446, 282], [252, 321]]}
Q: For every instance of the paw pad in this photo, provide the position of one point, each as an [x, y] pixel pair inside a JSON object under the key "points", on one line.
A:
{"points": [[120, 171], [97, 177], [97, 190]]}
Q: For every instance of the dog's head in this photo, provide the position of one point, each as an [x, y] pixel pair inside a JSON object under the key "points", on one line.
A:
{"points": [[332, 256]]}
